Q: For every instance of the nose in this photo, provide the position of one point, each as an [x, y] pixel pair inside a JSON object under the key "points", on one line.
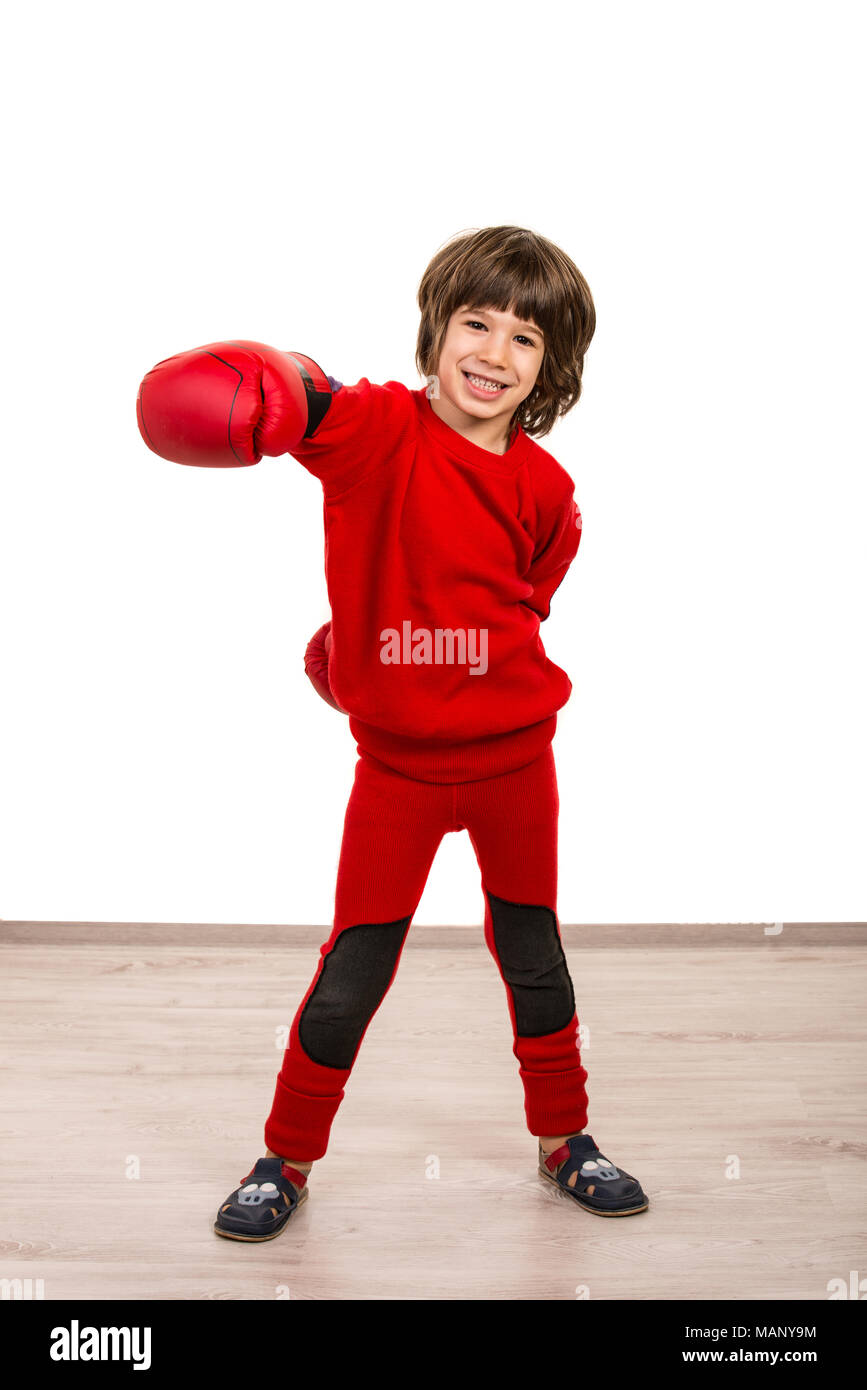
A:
{"points": [[495, 352]]}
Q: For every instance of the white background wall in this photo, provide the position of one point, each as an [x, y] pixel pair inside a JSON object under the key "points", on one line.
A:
{"points": [[180, 173]]}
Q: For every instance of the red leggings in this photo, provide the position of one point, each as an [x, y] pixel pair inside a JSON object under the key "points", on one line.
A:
{"points": [[392, 829]]}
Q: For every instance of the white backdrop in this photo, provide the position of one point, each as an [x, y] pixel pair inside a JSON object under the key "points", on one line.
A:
{"points": [[181, 173]]}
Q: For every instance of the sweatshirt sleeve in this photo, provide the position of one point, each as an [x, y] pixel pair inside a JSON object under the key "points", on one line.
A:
{"points": [[362, 427], [558, 536]]}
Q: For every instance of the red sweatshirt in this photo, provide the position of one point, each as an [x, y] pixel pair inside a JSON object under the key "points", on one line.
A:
{"points": [[441, 559]]}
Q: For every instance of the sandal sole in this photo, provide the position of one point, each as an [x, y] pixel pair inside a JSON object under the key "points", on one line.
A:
{"points": [[271, 1235], [624, 1211]]}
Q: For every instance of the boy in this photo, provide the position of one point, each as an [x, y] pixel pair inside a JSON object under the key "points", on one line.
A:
{"points": [[448, 529]]}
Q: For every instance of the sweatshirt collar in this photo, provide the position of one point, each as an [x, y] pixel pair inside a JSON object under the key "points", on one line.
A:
{"points": [[465, 449]]}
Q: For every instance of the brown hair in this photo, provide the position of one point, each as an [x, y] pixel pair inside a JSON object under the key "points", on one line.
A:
{"points": [[515, 271]]}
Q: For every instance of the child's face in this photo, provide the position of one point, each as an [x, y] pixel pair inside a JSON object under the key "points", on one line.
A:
{"points": [[488, 343]]}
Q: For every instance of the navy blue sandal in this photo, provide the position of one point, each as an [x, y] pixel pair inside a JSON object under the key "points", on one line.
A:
{"points": [[260, 1207], [596, 1183]]}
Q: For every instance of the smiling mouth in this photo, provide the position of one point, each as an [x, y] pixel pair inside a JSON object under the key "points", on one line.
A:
{"points": [[485, 383]]}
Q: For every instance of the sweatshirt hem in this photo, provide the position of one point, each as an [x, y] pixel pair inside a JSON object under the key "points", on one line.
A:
{"points": [[429, 761]]}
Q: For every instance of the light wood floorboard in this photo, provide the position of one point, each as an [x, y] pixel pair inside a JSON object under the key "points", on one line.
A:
{"points": [[159, 1045]]}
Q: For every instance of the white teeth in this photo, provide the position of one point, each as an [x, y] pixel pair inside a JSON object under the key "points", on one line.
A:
{"points": [[485, 385]]}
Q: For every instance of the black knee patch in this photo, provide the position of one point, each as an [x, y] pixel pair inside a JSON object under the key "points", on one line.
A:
{"points": [[533, 965], [351, 986]]}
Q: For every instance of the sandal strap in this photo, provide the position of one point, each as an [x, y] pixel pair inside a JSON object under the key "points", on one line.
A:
{"points": [[294, 1175], [267, 1170]]}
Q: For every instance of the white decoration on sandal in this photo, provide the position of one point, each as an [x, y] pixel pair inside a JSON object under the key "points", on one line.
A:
{"points": [[253, 1195], [603, 1169]]}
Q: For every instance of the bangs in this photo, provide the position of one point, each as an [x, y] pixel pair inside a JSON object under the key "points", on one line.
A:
{"points": [[509, 286]]}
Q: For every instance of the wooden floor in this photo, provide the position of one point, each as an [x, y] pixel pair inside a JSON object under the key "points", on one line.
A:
{"points": [[138, 1068]]}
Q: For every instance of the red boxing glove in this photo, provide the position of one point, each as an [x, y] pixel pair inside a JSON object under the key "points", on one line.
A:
{"points": [[224, 405], [316, 664]]}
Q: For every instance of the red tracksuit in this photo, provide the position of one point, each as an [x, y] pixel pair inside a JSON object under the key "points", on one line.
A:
{"points": [[441, 560]]}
